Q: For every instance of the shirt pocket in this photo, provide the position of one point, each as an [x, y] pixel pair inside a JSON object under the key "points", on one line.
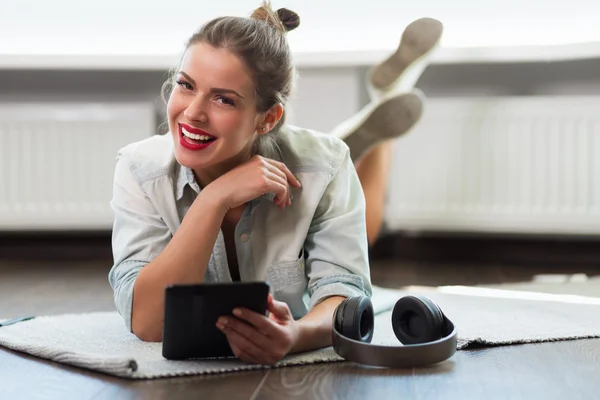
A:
{"points": [[289, 283]]}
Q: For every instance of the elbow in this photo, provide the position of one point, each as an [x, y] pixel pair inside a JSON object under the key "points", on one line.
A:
{"points": [[145, 323], [145, 331], [148, 336]]}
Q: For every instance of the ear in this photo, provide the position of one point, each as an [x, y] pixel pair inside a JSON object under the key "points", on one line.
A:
{"points": [[270, 119]]}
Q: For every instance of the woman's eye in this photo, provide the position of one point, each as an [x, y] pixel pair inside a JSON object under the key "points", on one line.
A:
{"points": [[185, 85], [226, 100]]}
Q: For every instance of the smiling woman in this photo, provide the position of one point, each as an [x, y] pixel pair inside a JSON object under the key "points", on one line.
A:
{"points": [[213, 84], [232, 193]]}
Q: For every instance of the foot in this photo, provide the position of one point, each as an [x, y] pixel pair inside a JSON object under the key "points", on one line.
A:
{"points": [[388, 119], [401, 70]]}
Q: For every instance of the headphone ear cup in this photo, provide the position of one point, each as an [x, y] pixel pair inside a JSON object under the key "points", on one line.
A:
{"points": [[358, 319], [417, 319]]}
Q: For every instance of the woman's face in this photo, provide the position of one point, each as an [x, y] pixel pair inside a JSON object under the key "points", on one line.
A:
{"points": [[212, 112]]}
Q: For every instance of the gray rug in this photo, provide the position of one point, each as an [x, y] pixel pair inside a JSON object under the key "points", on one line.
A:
{"points": [[578, 284], [100, 342]]}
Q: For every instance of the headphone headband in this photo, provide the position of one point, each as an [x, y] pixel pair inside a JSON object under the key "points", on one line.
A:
{"points": [[412, 355]]}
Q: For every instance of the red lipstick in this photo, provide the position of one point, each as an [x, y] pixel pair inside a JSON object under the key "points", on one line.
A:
{"points": [[194, 144]]}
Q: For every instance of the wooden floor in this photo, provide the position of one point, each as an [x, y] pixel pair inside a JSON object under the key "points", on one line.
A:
{"points": [[560, 370]]}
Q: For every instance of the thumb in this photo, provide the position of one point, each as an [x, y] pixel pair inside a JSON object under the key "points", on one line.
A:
{"points": [[278, 309]]}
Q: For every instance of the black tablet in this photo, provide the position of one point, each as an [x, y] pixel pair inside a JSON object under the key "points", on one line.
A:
{"points": [[191, 313]]}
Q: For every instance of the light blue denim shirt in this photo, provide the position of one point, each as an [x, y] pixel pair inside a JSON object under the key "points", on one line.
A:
{"points": [[313, 249]]}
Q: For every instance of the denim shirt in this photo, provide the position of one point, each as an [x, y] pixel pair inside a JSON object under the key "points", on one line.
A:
{"points": [[313, 249]]}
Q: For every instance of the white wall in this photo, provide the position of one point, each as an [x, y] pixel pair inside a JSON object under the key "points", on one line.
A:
{"points": [[326, 94], [161, 27]]}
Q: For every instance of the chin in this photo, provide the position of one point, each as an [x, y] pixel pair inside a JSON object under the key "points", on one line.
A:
{"points": [[190, 160]]}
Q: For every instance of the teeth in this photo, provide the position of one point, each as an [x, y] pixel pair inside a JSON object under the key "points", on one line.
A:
{"points": [[194, 136]]}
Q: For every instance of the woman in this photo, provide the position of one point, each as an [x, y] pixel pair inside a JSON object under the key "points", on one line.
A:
{"points": [[231, 193]]}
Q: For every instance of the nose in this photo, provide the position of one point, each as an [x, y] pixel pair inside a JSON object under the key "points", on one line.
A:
{"points": [[195, 111]]}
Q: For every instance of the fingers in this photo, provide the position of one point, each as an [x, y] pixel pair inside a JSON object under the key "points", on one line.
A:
{"points": [[243, 348], [280, 189], [273, 184], [285, 200], [278, 173], [282, 170], [288, 174], [251, 332], [278, 309], [240, 353], [248, 344], [261, 323]]}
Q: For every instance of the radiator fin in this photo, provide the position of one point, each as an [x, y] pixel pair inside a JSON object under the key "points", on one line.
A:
{"points": [[57, 161], [499, 164]]}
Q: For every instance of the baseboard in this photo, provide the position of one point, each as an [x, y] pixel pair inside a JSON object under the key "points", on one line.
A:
{"points": [[489, 249], [431, 247], [56, 246]]}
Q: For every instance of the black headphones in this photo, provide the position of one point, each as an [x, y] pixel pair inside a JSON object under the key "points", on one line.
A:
{"points": [[427, 335]]}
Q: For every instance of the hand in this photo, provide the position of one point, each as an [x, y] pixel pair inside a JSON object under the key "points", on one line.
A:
{"points": [[255, 338], [252, 179]]}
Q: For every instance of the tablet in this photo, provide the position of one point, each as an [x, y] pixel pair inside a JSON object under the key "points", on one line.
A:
{"points": [[191, 313]]}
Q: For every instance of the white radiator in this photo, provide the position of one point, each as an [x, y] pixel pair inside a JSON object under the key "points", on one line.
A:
{"points": [[57, 161], [514, 165], [499, 164]]}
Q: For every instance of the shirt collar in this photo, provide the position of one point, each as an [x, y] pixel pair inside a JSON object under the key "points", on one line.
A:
{"points": [[185, 177]]}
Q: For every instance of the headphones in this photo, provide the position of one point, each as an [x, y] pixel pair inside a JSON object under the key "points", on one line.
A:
{"points": [[427, 335]]}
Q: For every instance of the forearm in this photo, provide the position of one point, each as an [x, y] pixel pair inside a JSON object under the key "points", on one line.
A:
{"points": [[183, 261], [314, 329]]}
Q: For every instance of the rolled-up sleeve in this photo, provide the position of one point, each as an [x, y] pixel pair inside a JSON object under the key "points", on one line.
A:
{"points": [[336, 245], [139, 234]]}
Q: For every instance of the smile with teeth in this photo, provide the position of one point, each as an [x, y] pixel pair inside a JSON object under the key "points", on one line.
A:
{"points": [[194, 136]]}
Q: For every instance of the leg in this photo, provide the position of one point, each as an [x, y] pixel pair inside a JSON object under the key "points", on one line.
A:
{"points": [[373, 171], [394, 110]]}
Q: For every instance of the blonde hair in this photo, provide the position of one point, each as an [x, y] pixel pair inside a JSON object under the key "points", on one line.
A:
{"points": [[260, 42]]}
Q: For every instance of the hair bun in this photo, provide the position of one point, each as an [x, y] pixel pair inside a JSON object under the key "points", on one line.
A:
{"points": [[288, 18], [283, 20]]}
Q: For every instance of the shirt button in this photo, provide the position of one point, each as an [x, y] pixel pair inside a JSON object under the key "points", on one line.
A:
{"points": [[244, 237]]}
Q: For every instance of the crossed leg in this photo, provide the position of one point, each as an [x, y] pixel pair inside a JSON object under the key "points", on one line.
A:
{"points": [[395, 108]]}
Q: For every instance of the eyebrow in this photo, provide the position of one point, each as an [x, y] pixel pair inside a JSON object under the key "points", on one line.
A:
{"points": [[215, 90]]}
